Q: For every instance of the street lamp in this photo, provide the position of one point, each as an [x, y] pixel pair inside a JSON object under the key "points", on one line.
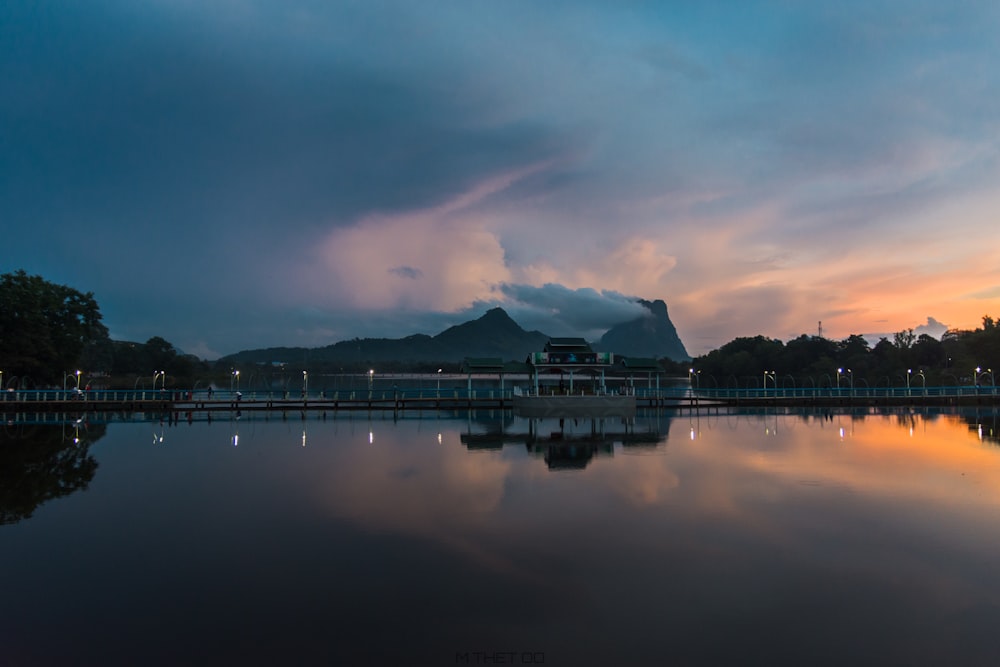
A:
{"points": [[909, 371], [371, 377], [980, 373], [439, 383], [305, 383], [235, 378], [78, 380], [850, 377], [774, 382], [694, 378]]}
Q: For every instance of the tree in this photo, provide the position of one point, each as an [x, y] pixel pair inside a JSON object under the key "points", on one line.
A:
{"points": [[928, 352], [38, 463], [904, 339], [44, 327], [159, 353]]}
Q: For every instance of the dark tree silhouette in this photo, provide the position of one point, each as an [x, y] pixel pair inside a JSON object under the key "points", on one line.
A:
{"points": [[44, 327], [41, 462]]}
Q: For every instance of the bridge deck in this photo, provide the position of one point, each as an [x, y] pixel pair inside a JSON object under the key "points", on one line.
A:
{"points": [[180, 403]]}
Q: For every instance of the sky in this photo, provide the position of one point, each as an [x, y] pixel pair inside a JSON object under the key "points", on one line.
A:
{"points": [[238, 174]]}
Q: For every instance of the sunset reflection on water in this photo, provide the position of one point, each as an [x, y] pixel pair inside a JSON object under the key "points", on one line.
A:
{"points": [[695, 536]]}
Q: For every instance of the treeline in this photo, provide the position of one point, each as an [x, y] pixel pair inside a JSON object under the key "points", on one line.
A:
{"points": [[117, 359], [49, 331], [816, 361]]}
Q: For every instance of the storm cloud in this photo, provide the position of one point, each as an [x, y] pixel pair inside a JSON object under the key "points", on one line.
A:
{"points": [[254, 173]]}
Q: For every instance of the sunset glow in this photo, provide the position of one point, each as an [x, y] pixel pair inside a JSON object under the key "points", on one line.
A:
{"points": [[308, 173]]}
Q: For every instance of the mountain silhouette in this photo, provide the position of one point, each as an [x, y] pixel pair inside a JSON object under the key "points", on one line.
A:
{"points": [[652, 335], [494, 334]]}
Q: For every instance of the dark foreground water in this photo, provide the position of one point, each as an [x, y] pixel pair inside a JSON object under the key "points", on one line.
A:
{"points": [[722, 539]]}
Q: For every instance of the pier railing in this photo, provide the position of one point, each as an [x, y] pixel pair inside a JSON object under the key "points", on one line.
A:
{"points": [[404, 398]]}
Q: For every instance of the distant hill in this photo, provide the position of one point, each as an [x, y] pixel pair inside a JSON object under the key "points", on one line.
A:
{"points": [[651, 335], [494, 334]]}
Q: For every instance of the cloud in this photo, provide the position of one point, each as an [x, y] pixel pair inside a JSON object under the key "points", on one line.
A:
{"points": [[559, 310], [932, 328], [265, 173], [992, 292], [406, 272]]}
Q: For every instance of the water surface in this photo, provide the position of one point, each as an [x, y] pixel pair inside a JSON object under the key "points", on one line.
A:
{"points": [[687, 539]]}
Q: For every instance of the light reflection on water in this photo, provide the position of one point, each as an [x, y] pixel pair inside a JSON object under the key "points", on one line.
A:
{"points": [[684, 538]]}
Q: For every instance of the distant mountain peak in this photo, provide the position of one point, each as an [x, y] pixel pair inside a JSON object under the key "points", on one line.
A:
{"points": [[494, 334], [498, 314], [657, 308], [649, 335], [495, 327]]}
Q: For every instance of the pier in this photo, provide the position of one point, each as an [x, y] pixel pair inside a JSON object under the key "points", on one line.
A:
{"points": [[675, 397]]}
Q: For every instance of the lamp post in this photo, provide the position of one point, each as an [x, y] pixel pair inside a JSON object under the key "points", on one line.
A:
{"points": [[774, 381], [234, 379], [909, 371], [305, 383], [980, 372], [694, 378], [371, 378], [78, 380], [850, 378], [439, 383]]}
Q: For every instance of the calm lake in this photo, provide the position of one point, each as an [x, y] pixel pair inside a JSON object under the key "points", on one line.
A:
{"points": [[676, 538]]}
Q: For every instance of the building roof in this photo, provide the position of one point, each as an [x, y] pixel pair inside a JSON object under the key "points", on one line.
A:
{"points": [[482, 365], [493, 365], [567, 345], [641, 364]]}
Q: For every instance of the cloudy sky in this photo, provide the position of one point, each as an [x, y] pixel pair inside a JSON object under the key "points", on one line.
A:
{"points": [[249, 173]]}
